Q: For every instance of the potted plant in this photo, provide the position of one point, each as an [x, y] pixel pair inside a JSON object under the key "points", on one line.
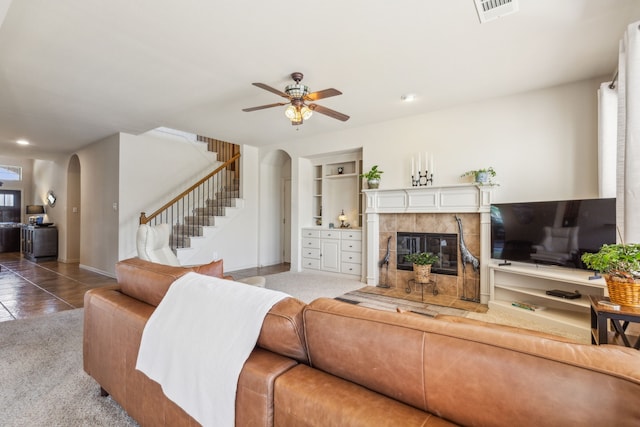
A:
{"points": [[620, 265], [373, 177], [481, 176], [422, 262]]}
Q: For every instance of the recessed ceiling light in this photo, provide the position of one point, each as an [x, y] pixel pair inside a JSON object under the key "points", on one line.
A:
{"points": [[22, 142], [410, 97]]}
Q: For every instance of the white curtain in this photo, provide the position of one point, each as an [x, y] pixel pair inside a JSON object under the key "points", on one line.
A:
{"points": [[628, 157], [607, 139]]}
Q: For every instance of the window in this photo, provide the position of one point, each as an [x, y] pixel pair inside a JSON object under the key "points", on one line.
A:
{"points": [[10, 173], [9, 206], [7, 200]]}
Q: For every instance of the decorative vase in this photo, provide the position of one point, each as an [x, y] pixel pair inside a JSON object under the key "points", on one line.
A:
{"points": [[373, 183], [421, 273], [623, 291], [482, 177]]}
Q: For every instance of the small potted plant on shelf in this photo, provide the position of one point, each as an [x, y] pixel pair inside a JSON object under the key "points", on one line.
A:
{"points": [[620, 265], [481, 176], [422, 262], [373, 177]]}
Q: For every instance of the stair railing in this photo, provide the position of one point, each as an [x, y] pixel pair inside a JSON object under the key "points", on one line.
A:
{"points": [[195, 205]]}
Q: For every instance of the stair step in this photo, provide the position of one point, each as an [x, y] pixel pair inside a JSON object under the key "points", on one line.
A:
{"points": [[233, 194], [187, 230], [199, 220], [210, 211]]}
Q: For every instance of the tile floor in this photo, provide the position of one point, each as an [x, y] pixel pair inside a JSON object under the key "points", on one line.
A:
{"points": [[30, 289]]}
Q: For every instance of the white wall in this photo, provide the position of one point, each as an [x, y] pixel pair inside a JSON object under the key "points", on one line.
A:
{"points": [[99, 191], [543, 144]]}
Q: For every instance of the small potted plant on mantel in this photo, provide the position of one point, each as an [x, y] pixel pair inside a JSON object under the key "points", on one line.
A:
{"points": [[481, 176], [620, 265], [422, 262], [373, 177]]}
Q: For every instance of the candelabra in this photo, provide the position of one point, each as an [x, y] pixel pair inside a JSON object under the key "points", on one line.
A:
{"points": [[421, 179]]}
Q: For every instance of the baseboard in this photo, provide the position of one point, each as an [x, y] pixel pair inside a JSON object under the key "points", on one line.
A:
{"points": [[96, 270]]}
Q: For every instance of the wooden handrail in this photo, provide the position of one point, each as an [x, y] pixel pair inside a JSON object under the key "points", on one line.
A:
{"points": [[144, 219]]}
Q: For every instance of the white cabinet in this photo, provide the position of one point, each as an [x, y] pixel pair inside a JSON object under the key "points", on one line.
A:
{"points": [[528, 283], [334, 250], [330, 255]]}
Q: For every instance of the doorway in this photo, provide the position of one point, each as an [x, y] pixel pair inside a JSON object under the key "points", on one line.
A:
{"points": [[275, 209], [73, 210]]}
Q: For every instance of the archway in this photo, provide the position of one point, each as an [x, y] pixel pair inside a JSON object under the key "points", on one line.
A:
{"points": [[73, 210], [275, 208]]}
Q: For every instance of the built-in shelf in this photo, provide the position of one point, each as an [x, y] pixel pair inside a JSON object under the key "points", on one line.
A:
{"points": [[528, 283], [336, 188]]}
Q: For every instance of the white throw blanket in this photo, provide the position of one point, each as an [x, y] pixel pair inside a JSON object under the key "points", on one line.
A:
{"points": [[198, 339]]}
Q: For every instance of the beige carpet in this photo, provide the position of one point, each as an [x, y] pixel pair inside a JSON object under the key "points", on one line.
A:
{"points": [[42, 382]]}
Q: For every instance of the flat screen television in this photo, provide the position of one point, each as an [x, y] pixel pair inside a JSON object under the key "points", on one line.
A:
{"points": [[552, 233]]}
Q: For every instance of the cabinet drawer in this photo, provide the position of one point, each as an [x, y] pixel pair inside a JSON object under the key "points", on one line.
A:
{"points": [[311, 253], [352, 235], [351, 257], [349, 268], [311, 263], [351, 245], [310, 233], [330, 234], [310, 243]]}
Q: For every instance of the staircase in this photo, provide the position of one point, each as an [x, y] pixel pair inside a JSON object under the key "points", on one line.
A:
{"points": [[199, 212]]}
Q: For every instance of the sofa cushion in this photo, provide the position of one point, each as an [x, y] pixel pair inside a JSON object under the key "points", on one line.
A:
{"points": [[308, 397], [148, 281]]}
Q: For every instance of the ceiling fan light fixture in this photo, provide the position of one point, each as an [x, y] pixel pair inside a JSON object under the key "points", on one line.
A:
{"points": [[290, 112], [306, 112], [297, 90]]}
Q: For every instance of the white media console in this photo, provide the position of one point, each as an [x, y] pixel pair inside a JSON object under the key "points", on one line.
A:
{"points": [[528, 283]]}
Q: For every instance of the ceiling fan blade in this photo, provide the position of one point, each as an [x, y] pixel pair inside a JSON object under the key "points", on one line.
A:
{"points": [[314, 96], [329, 112], [262, 107], [270, 89]]}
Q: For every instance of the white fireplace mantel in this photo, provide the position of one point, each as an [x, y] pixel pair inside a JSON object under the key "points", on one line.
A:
{"points": [[466, 198]]}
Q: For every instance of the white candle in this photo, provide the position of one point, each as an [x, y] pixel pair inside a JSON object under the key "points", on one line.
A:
{"points": [[419, 163], [413, 172], [431, 165], [426, 161]]}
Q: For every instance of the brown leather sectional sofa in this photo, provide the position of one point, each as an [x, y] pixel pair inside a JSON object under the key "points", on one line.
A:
{"points": [[330, 363]]}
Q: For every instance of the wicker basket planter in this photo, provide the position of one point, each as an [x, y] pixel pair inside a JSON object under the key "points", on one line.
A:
{"points": [[623, 291], [421, 273]]}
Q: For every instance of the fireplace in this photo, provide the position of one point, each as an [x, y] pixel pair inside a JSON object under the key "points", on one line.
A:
{"points": [[429, 209], [441, 244]]}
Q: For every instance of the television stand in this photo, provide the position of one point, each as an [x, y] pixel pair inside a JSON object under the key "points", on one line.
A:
{"points": [[528, 283]]}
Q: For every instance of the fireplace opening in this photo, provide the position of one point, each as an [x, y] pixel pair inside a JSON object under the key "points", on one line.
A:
{"points": [[443, 245]]}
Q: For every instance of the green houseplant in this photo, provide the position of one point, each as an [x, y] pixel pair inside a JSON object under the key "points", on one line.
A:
{"points": [[620, 265], [481, 176], [373, 176], [422, 262]]}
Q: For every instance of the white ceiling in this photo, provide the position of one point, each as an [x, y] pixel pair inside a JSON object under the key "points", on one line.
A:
{"points": [[75, 71]]}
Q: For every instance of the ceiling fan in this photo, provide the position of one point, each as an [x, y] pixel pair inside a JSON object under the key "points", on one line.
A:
{"points": [[298, 96]]}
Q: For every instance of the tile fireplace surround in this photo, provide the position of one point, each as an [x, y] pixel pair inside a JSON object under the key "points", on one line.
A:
{"points": [[430, 210]]}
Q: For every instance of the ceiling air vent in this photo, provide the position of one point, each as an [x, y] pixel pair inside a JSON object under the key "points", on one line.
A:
{"points": [[488, 10]]}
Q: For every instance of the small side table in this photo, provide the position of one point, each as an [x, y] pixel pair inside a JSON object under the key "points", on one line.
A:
{"points": [[600, 315], [422, 285]]}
